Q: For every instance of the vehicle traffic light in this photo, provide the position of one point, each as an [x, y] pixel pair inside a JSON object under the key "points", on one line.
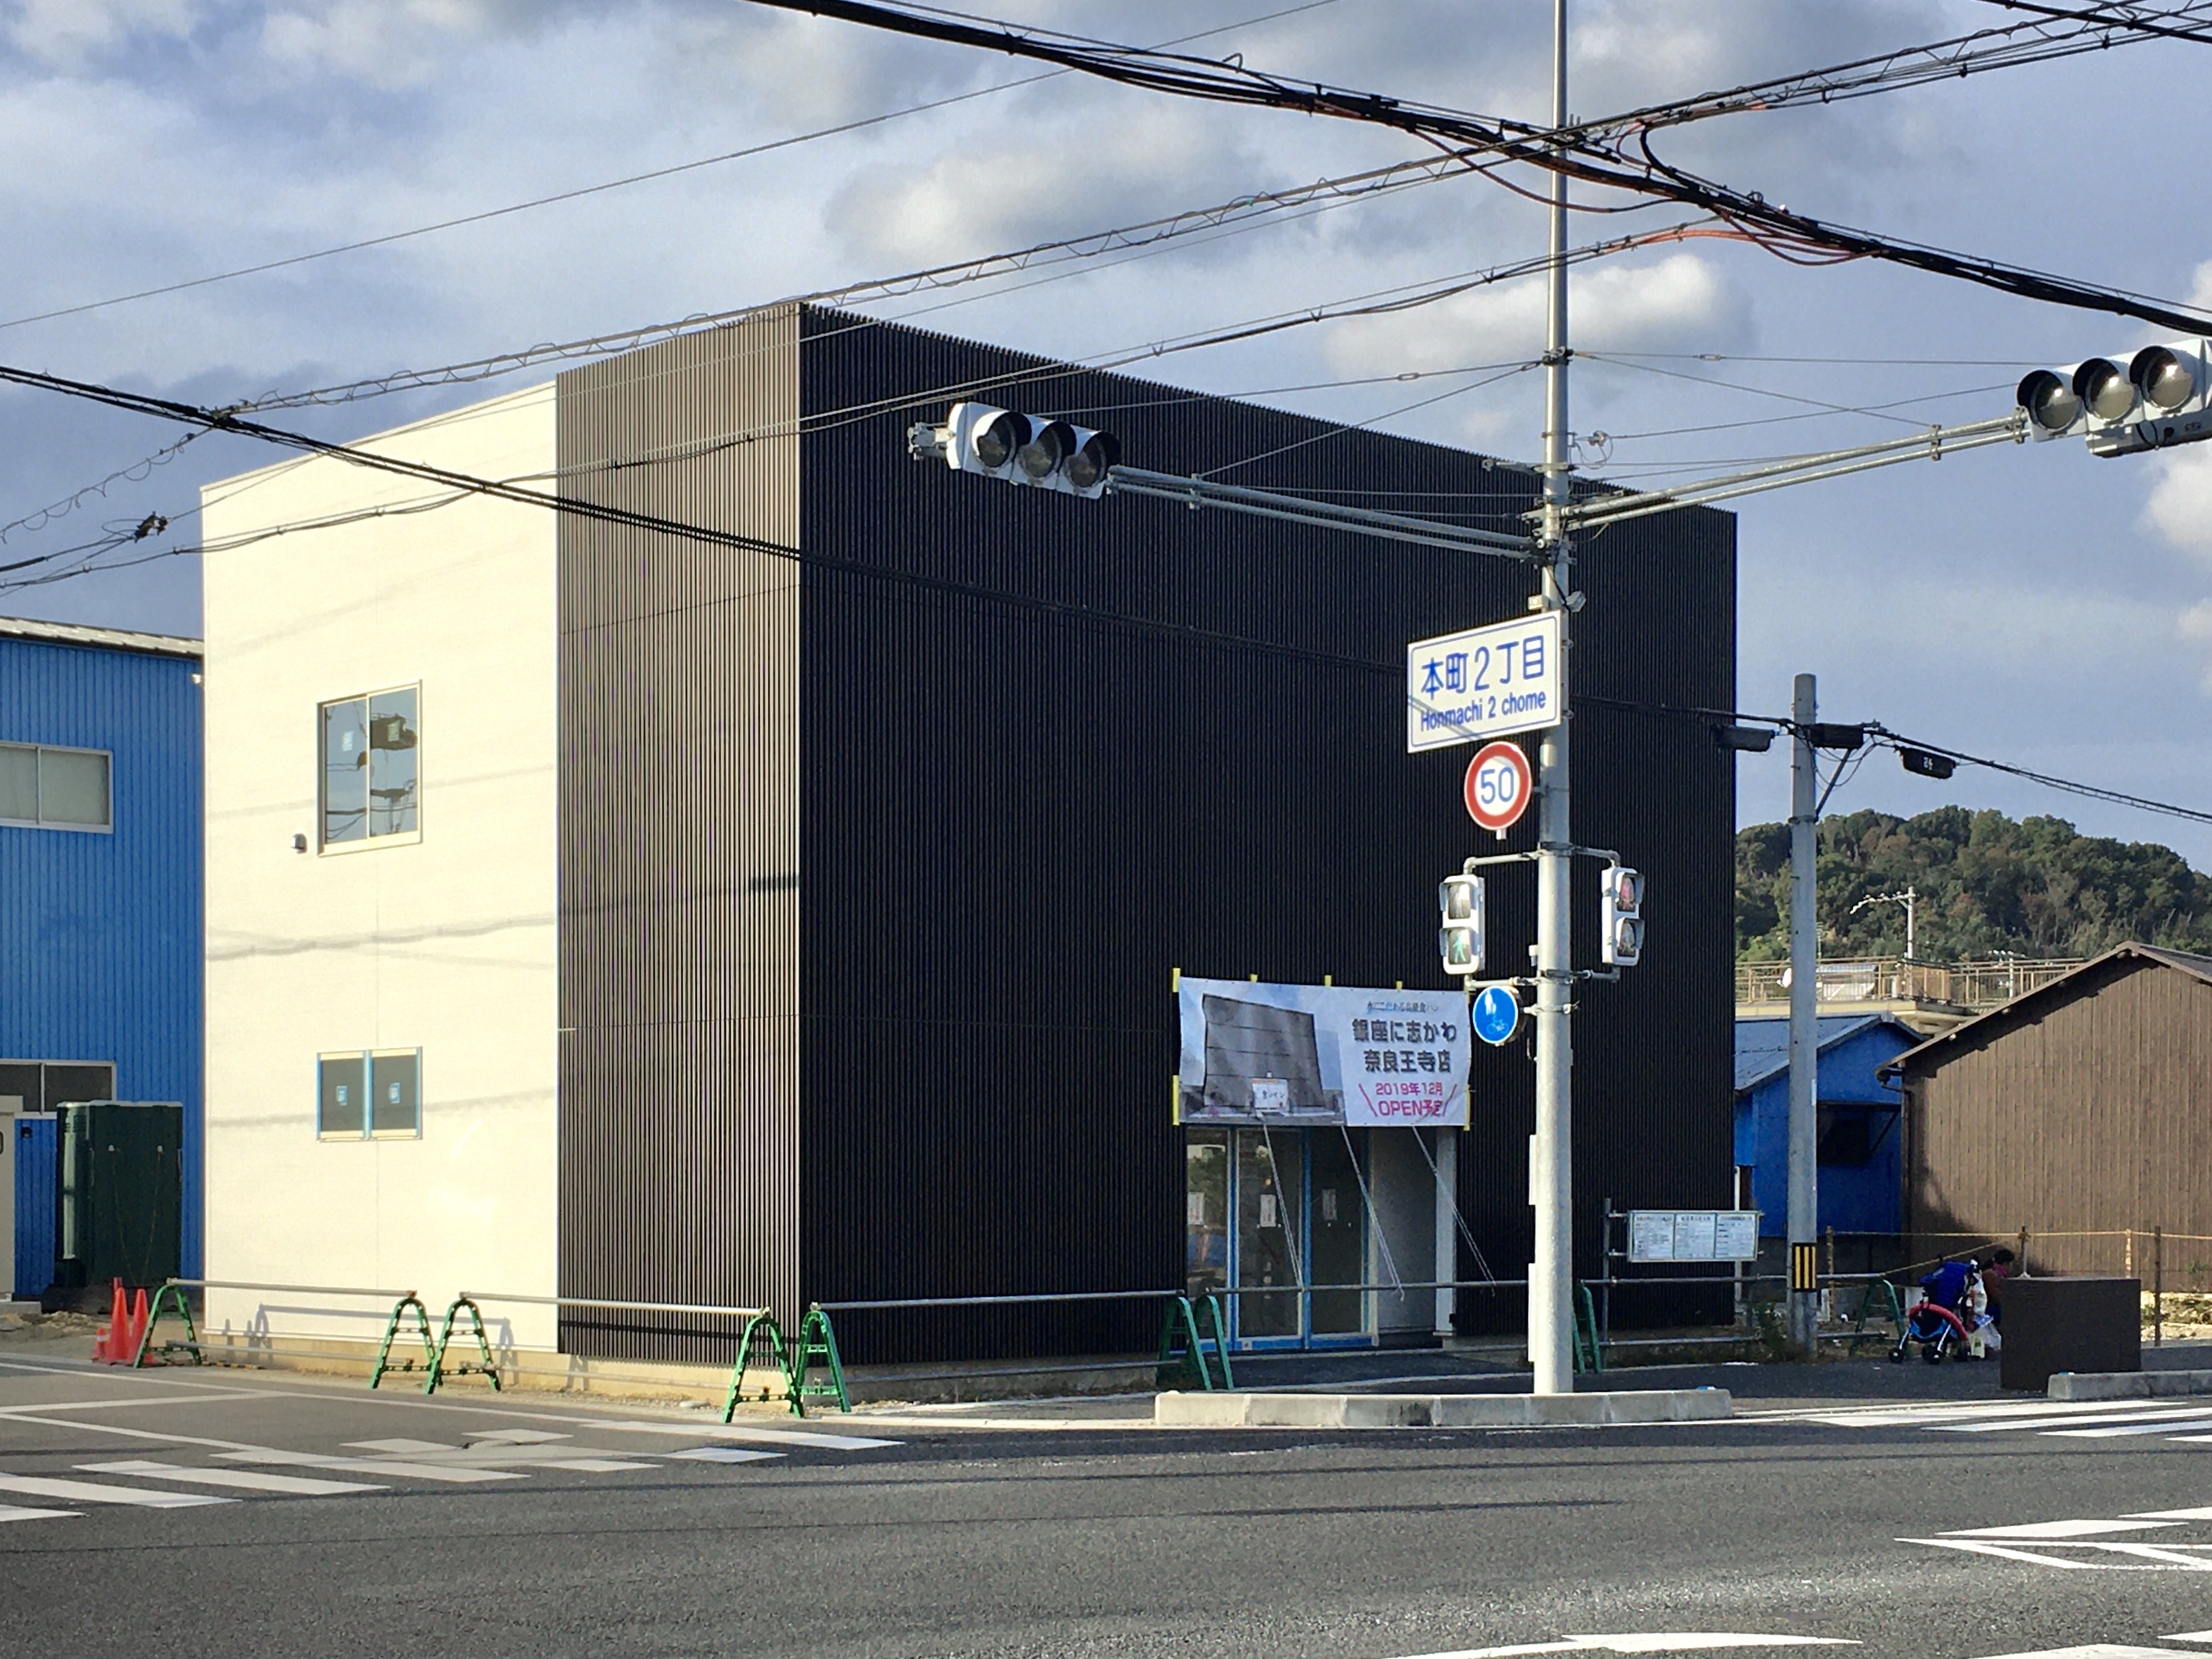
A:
{"points": [[2163, 395], [1623, 916], [1459, 942], [1024, 449]]}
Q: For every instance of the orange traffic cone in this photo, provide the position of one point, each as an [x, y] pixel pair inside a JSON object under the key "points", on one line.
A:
{"points": [[112, 1335], [136, 1337]]}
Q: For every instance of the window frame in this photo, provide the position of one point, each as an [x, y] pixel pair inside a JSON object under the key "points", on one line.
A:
{"points": [[365, 1060], [107, 758], [324, 845]]}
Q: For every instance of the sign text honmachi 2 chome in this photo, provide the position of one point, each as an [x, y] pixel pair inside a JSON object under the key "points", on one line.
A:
{"points": [[1484, 683]]}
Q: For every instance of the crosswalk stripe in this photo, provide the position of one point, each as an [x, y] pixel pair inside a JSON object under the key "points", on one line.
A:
{"points": [[1928, 1416], [88, 1491], [767, 1437], [593, 1465], [2068, 1419], [404, 1445], [448, 1472], [246, 1479], [721, 1455], [2164, 1426], [10, 1512], [516, 1437]]}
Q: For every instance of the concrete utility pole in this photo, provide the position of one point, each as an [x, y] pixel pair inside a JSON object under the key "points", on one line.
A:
{"points": [[1550, 1174], [1804, 1030]]}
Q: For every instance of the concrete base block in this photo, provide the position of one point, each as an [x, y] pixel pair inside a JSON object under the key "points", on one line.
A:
{"points": [[1231, 1410], [2126, 1385]]}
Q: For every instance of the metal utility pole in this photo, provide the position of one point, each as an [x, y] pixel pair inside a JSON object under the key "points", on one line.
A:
{"points": [[1804, 1038], [1550, 1174]]}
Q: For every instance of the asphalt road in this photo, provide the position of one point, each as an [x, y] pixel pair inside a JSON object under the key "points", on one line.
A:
{"points": [[241, 1514]]}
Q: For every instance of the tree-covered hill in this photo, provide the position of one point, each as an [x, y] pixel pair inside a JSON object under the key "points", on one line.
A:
{"points": [[1986, 884]]}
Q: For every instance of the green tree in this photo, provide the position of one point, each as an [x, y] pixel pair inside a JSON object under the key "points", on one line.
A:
{"points": [[1985, 884]]}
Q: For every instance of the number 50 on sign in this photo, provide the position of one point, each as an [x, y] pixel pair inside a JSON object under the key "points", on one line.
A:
{"points": [[1484, 683]]}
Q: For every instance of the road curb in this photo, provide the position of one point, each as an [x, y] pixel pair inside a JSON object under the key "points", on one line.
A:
{"points": [[2126, 1385], [1436, 1411]]}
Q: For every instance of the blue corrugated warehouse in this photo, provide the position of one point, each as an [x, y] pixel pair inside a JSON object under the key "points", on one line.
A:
{"points": [[1861, 1148], [101, 928]]}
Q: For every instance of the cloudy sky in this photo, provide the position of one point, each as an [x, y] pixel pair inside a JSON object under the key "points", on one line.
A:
{"points": [[2031, 603]]}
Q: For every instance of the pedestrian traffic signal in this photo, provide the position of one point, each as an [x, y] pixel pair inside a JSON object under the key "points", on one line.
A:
{"points": [[1022, 449], [1459, 942], [1623, 896], [2163, 395]]}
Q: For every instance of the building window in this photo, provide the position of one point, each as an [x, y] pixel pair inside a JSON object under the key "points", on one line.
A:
{"points": [[369, 773], [372, 1095], [42, 788]]}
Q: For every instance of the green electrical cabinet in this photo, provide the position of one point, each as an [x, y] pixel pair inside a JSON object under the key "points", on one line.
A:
{"points": [[120, 1198]]}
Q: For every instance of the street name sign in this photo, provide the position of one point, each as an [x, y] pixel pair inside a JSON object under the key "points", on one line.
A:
{"points": [[1483, 683], [1497, 787]]}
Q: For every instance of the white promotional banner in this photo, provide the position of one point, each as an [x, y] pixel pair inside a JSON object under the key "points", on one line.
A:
{"points": [[1293, 1055]]}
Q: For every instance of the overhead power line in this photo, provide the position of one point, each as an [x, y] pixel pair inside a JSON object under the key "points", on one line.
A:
{"points": [[1591, 154], [606, 185], [2157, 22], [1983, 50]]}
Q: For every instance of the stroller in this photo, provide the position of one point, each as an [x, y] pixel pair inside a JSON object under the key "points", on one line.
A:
{"points": [[1934, 1321]]}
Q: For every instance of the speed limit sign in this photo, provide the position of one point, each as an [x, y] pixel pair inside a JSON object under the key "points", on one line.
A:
{"points": [[1497, 787]]}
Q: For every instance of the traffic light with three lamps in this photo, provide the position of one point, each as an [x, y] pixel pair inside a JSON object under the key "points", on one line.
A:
{"points": [[1024, 449], [2125, 403]]}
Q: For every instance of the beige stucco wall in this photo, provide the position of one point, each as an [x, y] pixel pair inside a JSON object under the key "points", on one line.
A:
{"points": [[446, 944]]}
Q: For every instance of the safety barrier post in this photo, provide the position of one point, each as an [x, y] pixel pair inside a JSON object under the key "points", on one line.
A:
{"points": [[1180, 1362], [440, 1370], [761, 1327], [170, 1296], [1586, 1331], [1888, 1293], [1211, 1303], [815, 1340], [384, 1361]]}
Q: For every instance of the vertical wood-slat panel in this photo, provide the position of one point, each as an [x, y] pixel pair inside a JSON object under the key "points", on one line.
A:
{"points": [[2082, 1111], [679, 731], [1019, 815]]}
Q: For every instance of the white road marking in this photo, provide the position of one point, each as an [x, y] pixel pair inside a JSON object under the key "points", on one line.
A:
{"points": [[88, 1491], [514, 1437], [593, 1465], [2167, 1425], [731, 1431], [121, 1405], [2096, 1651], [1975, 1547], [721, 1455], [298, 1485], [1646, 1641], [2172, 1515], [2189, 1636], [448, 1472], [1887, 1417], [404, 1445], [2062, 1528], [9, 1512], [2072, 1418]]}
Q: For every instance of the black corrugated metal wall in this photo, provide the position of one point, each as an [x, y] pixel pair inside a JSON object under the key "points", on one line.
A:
{"points": [[679, 842], [1053, 748]]}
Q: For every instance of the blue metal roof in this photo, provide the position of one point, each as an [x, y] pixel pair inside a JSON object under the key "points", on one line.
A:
{"points": [[1762, 1046]]}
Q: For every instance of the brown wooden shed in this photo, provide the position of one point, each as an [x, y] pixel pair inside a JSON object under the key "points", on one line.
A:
{"points": [[2080, 1111]]}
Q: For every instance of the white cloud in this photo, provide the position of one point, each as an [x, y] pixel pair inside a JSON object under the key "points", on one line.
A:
{"points": [[2195, 626], [69, 31], [1022, 182], [2180, 504], [1679, 303]]}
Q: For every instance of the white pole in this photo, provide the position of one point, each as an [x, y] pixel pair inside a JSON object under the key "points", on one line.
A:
{"points": [[1551, 1276], [1804, 1038], [1447, 1151]]}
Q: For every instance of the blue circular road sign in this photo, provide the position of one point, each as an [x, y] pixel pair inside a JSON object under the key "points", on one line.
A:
{"points": [[1497, 1014]]}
